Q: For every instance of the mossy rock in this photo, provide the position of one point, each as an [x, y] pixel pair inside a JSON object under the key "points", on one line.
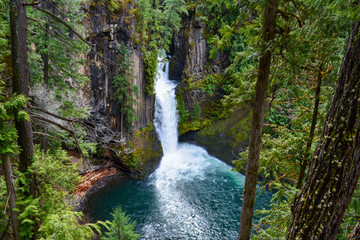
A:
{"points": [[225, 138], [141, 155]]}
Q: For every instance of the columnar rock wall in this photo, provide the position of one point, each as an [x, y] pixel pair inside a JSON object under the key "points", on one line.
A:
{"points": [[107, 30], [190, 63]]}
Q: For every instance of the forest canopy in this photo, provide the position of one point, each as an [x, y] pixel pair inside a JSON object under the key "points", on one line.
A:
{"points": [[290, 68]]}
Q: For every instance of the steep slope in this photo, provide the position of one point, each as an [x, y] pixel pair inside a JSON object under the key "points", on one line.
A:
{"points": [[199, 95], [109, 27]]}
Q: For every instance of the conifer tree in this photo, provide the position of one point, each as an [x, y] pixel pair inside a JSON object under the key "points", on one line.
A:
{"points": [[121, 228], [334, 166], [20, 81], [9, 111], [257, 121]]}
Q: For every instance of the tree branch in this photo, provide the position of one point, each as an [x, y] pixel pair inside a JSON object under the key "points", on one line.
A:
{"points": [[34, 19], [53, 114], [72, 30], [48, 135], [7, 226], [71, 132], [30, 3]]}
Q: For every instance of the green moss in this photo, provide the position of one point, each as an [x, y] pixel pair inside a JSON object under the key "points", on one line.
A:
{"points": [[193, 125], [240, 130], [142, 153], [236, 128], [187, 32]]}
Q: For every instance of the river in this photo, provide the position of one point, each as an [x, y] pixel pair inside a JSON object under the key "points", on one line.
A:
{"points": [[192, 195]]}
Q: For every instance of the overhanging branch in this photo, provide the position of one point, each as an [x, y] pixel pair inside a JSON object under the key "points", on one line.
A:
{"points": [[34, 5], [71, 132], [53, 114], [48, 135]]}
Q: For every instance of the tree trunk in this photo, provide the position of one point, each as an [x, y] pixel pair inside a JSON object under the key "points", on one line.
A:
{"points": [[304, 162], [11, 194], [20, 79], [45, 58], [335, 164], [257, 122]]}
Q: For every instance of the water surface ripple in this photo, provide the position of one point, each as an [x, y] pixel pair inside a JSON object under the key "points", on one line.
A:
{"points": [[192, 195]]}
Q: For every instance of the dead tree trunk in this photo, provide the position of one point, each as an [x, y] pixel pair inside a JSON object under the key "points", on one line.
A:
{"points": [[11, 194], [257, 122], [20, 79], [335, 164]]}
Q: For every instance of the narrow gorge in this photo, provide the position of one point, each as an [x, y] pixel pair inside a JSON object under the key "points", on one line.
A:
{"points": [[192, 195]]}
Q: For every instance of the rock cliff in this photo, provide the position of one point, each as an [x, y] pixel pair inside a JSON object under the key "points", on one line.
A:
{"points": [[106, 29], [200, 86], [189, 49]]}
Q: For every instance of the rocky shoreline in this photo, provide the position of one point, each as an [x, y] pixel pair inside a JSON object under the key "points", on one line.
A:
{"points": [[94, 180]]}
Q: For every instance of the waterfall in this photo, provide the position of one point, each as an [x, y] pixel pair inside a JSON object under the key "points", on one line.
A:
{"points": [[166, 118], [192, 195]]}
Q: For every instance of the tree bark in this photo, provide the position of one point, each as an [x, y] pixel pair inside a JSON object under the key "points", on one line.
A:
{"points": [[335, 164], [257, 122], [304, 162], [45, 58], [20, 80], [11, 194]]}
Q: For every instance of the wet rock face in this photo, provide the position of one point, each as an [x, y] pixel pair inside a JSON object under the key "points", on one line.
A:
{"points": [[142, 154], [190, 63], [199, 53], [224, 139], [189, 56], [189, 49], [107, 30]]}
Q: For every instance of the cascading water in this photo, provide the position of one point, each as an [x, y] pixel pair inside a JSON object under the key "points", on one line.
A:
{"points": [[166, 118], [192, 195]]}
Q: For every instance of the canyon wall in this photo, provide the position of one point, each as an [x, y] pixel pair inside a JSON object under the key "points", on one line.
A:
{"points": [[107, 28], [223, 137]]}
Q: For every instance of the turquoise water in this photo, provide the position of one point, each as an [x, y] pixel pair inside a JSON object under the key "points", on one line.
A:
{"points": [[199, 197], [192, 195]]}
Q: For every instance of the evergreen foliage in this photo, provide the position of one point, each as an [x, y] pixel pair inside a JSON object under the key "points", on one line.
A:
{"points": [[157, 22], [126, 92], [275, 221], [4, 217], [196, 112], [121, 227], [55, 60], [209, 85], [183, 113], [48, 213], [300, 54], [9, 111], [351, 216], [51, 213], [308, 48], [51, 38]]}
